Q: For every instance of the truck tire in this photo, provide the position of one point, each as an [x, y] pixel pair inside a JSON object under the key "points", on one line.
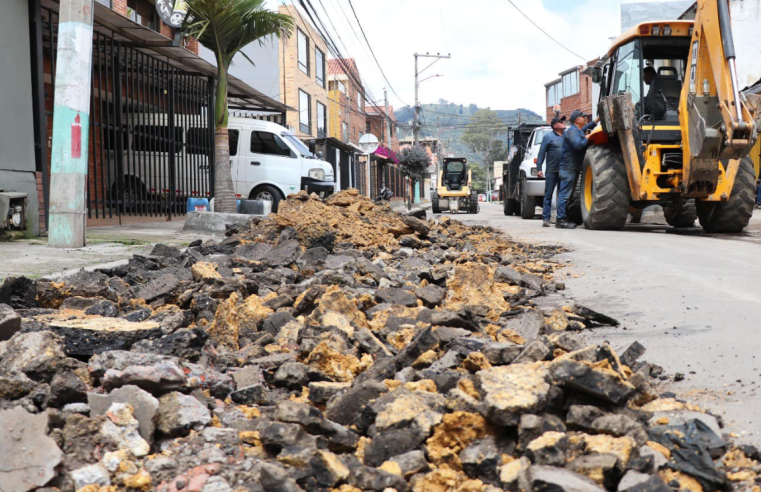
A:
{"points": [[528, 203], [605, 193], [574, 204], [510, 205], [733, 215], [680, 214], [435, 203]]}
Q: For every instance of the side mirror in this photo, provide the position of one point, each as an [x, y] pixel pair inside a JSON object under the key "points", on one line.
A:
{"points": [[597, 75], [320, 155]]}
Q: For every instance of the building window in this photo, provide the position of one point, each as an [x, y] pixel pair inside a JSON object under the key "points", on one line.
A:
{"points": [[319, 67], [553, 95], [571, 84], [305, 112], [367, 126], [303, 47], [359, 101], [322, 121], [142, 12], [345, 132]]}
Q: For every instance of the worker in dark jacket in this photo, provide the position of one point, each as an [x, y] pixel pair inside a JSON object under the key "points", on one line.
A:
{"points": [[574, 147], [550, 151]]}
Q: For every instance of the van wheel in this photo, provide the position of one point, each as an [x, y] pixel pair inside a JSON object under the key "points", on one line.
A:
{"points": [[130, 191], [267, 193]]}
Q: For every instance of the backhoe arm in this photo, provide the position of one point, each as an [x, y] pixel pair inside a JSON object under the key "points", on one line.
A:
{"points": [[717, 123]]}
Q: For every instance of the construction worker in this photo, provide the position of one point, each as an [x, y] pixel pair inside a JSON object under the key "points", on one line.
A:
{"points": [[574, 147], [551, 151]]}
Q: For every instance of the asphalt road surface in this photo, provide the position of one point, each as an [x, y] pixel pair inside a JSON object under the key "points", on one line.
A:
{"points": [[693, 300]]}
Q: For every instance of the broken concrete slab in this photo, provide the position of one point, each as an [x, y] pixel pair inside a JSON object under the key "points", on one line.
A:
{"points": [[29, 457]]}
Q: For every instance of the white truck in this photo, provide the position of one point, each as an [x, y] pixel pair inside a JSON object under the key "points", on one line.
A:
{"points": [[524, 188]]}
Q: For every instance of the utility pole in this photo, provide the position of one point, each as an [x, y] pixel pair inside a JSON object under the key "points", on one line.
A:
{"points": [[416, 124], [71, 122], [388, 119]]}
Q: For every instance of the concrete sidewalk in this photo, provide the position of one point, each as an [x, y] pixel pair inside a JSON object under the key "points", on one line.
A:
{"points": [[106, 246]]}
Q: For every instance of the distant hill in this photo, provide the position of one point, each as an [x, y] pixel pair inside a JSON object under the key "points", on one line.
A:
{"points": [[447, 121]]}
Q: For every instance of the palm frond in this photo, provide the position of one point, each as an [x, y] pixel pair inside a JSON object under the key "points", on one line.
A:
{"points": [[227, 26]]}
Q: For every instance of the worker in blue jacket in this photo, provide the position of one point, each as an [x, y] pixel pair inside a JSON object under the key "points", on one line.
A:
{"points": [[550, 151], [575, 143]]}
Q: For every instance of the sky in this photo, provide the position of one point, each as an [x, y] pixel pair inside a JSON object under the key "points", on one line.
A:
{"points": [[499, 59]]}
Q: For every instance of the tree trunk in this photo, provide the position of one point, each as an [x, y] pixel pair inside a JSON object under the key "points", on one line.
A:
{"points": [[224, 192]]}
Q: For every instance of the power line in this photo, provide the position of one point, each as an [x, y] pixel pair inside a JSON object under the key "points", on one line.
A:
{"points": [[545, 32], [373, 52]]}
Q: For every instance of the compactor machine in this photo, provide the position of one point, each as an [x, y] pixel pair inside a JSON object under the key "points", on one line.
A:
{"points": [[675, 129], [454, 192]]}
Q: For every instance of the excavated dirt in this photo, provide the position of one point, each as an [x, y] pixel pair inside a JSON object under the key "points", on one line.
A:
{"points": [[337, 346]]}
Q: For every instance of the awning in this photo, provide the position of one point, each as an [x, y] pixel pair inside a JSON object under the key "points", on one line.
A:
{"points": [[346, 147], [150, 42]]}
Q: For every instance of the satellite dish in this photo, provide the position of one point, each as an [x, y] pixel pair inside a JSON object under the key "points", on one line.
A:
{"points": [[368, 143]]}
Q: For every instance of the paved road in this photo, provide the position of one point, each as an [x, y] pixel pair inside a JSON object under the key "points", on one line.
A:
{"points": [[694, 301]]}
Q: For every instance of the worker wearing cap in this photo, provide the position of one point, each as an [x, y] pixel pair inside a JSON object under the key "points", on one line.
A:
{"points": [[574, 147], [550, 151]]}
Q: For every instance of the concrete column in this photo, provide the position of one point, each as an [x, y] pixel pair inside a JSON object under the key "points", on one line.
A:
{"points": [[71, 122]]}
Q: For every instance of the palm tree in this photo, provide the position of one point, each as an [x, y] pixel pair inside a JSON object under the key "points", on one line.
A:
{"points": [[225, 27]]}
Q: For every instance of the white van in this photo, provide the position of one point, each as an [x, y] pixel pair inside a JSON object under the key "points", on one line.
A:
{"points": [[268, 162]]}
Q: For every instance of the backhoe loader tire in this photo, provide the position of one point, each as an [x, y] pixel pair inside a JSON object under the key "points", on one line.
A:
{"points": [[435, 203], [605, 193], [680, 214], [733, 215], [574, 204], [528, 202]]}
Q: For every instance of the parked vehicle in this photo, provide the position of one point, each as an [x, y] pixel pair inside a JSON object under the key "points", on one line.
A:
{"points": [[525, 189], [268, 162]]}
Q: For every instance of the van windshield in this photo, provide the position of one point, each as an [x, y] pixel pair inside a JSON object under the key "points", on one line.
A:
{"points": [[300, 147]]}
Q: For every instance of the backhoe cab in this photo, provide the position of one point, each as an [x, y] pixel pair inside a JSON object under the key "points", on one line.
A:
{"points": [[454, 191], [675, 130]]}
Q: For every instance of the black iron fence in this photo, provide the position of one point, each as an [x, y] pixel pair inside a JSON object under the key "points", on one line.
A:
{"points": [[151, 128]]}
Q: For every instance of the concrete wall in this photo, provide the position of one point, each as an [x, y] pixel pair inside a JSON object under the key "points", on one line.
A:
{"points": [[746, 19], [264, 75], [17, 162]]}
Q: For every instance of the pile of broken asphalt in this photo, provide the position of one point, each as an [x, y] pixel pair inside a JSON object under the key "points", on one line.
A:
{"points": [[336, 346]]}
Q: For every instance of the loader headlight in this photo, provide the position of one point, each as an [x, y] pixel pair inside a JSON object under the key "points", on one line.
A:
{"points": [[317, 174], [534, 172]]}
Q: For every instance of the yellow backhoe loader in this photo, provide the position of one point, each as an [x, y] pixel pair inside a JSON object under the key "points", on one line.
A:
{"points": [[675, 129]]}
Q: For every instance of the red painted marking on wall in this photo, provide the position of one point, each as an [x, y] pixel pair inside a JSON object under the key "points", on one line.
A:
{"points": [[76, 139]]}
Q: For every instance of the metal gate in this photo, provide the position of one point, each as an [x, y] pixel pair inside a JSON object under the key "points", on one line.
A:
{"points": [[151, 131]]}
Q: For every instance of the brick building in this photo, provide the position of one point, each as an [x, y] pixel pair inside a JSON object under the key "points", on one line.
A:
{"points": [[376, 124], [573, 90], [347, 113], [150, 92], [303, 78]]}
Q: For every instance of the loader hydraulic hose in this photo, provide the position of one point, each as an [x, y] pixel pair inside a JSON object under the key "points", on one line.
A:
{"points": [[728, 42]]}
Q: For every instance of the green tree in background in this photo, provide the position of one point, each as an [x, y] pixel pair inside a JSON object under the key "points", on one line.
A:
{"points": [[225, 27], [480, 137], [414, 162]]}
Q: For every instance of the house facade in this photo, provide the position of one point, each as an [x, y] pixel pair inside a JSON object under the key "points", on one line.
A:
{"points": [[303, 78], [150, 130], [572, 90]]}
